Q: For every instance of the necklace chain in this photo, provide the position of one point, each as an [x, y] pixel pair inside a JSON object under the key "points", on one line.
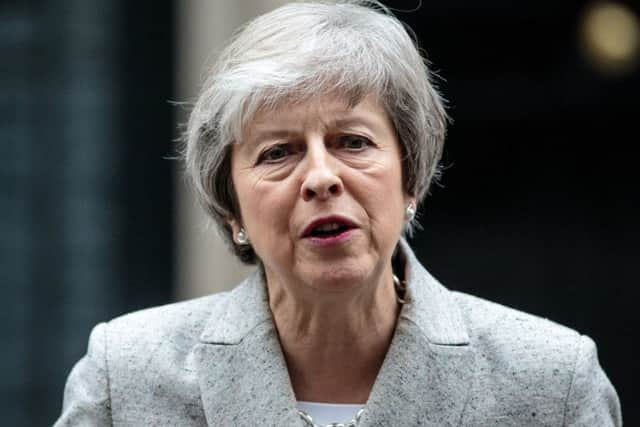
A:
{"points": [[308, 421], [401, 289]]}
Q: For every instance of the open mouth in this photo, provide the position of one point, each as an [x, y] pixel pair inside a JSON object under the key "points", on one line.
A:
{"points": [[328, 228]]}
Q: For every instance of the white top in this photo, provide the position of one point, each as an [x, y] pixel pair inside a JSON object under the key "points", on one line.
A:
{"points": [[327, 413]]}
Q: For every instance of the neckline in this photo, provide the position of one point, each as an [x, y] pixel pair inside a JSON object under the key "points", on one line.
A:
{"points": [[332, 405], [324, 413]]}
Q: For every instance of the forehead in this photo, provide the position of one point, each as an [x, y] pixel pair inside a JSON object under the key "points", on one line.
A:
{"points": [[321, 113]]}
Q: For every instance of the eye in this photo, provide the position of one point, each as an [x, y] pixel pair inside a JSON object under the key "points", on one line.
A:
{"points": [[353, 142], [274, 154]]}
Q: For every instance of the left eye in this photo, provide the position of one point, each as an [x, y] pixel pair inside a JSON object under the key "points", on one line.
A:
{"points": [[353, 142], [274, 154]]}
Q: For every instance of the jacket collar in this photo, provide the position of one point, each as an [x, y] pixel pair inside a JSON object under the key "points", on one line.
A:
{"points": [[423, 380], [431, 306], [241, 369], [239, 312], [427, 371]]}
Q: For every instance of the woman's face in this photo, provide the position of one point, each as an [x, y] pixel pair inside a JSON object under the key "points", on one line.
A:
{"points": [[320, 192]]}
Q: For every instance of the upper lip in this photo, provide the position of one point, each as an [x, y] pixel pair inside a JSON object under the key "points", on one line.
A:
{"points": [[327, 220]]}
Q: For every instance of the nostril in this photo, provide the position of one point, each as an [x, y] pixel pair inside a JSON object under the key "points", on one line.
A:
{"points": [[320, 187], [309, 194]]}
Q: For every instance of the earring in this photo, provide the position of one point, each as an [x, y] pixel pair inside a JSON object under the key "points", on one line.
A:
{"points": [[410, 212], [242, 237]]}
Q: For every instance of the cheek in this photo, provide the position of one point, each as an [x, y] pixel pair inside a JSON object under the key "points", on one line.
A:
{"points": [[265, 210], [384, 200], [383, 187]]}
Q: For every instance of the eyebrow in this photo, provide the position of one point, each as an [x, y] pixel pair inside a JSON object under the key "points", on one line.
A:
{"points": [[270, 135]]}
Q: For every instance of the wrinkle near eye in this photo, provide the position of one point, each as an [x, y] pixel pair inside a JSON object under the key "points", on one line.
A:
{"points": [[276, 171], [260, 177]]}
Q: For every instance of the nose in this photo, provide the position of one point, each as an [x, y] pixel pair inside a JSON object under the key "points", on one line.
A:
{"points": [[321, 179]]}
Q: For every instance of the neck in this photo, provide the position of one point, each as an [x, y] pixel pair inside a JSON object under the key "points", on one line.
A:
{"points": [[334, 343]]}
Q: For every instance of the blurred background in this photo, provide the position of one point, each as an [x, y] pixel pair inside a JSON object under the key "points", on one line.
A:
{"points": [[538, 207]]}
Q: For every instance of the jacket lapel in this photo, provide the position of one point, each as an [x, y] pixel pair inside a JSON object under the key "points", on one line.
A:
{"points": [[242, 373], [427, 373], [424, 379]]}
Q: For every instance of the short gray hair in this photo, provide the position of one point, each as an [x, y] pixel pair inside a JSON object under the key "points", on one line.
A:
{"points": [[348, 48]]}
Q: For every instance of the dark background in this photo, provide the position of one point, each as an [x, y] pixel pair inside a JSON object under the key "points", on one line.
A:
{"points": [[539, 203], [87, 197], [537, 210]]}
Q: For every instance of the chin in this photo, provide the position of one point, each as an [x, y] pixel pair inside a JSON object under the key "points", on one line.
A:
{"points": [[336, 277]]}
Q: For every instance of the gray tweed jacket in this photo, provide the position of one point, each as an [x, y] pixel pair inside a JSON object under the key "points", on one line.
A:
{"points": [[455, 360]]}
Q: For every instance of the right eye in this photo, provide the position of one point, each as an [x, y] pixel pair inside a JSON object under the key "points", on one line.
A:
{"points": [[274, 154]]}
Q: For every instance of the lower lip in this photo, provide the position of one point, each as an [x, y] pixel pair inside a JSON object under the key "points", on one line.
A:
{"points": [[331, 240]]}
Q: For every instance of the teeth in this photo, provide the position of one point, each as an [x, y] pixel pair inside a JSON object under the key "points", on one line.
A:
{"points": [[328, 227]]}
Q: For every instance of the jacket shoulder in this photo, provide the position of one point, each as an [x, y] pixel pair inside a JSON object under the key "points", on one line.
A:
{"points": [[157, 341], [524, 363], [534, 369], [515, 341], [490, 320], [177, 321], [130, 363]]}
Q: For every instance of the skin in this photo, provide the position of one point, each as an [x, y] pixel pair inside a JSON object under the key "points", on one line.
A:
{"points": [[334, 307]]}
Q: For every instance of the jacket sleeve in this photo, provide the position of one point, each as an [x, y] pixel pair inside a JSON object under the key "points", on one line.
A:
{"points": [[592, 400], [87, 399]]}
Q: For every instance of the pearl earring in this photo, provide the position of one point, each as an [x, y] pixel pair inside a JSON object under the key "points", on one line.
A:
{"points": [[410, 212], [242, 237]]}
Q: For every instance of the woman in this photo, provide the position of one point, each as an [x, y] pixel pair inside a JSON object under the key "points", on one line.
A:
{"points": [[312, 142]]}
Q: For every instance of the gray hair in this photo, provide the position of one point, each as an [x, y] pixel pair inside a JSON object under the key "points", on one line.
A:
{"points": [[348, 48]]}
